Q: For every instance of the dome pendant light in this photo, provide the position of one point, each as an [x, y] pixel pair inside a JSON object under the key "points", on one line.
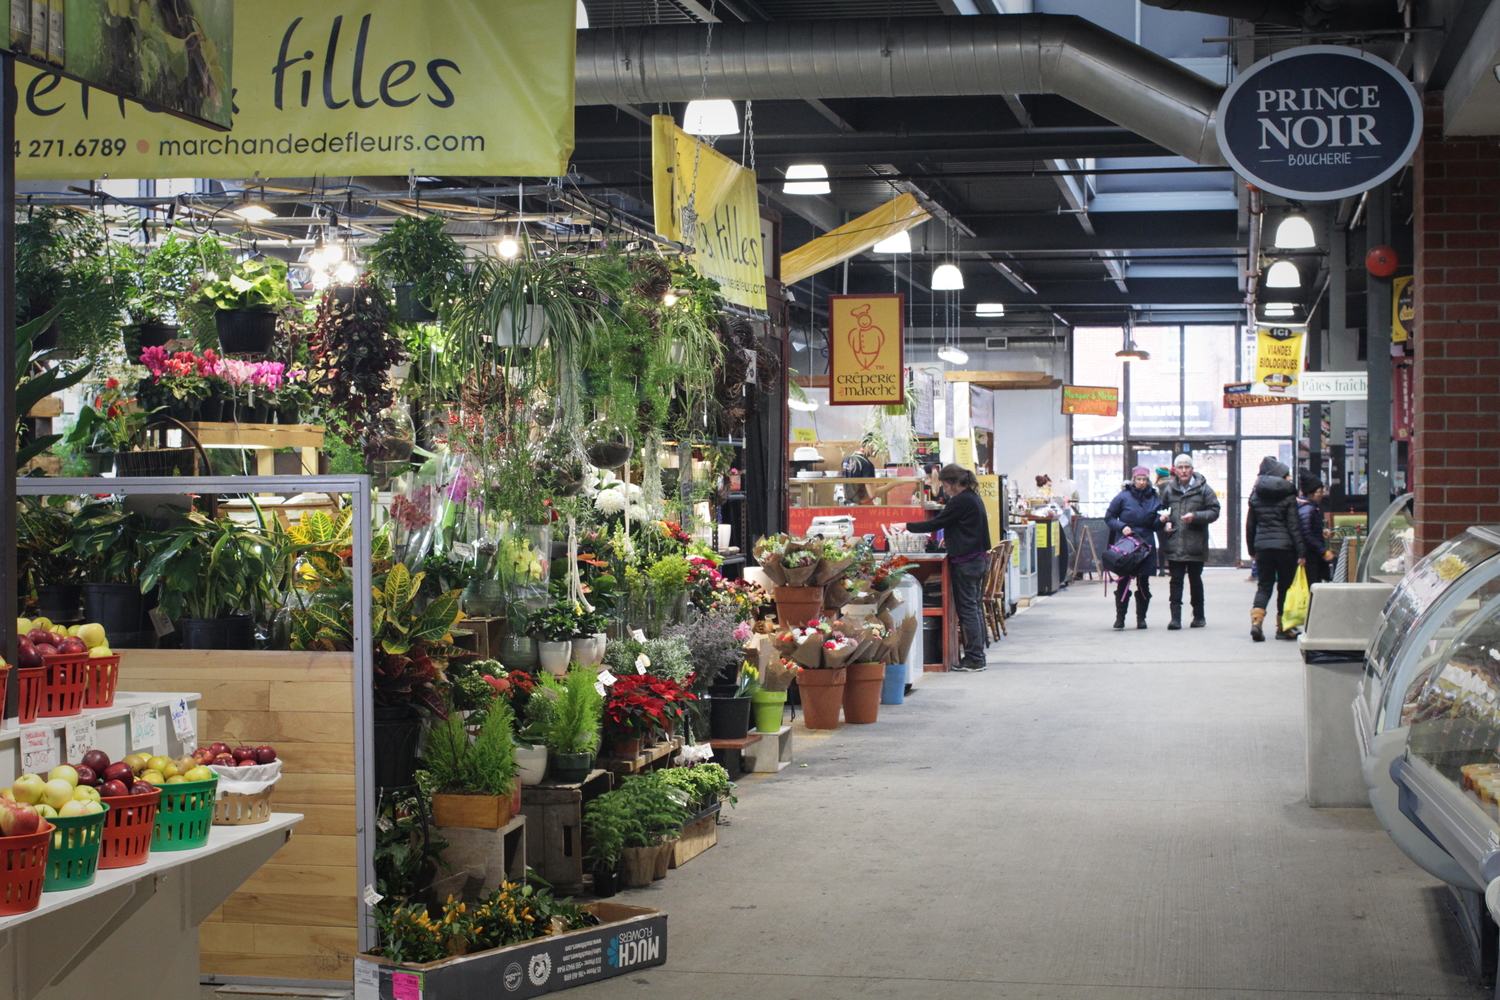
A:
{"points": [[953, 355], [900, 243], [1295, 233], [1283, 274], [711, 118], [806, 178], [947, 278]]}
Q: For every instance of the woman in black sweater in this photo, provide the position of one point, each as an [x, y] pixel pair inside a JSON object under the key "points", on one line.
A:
{"points": [[1273, 537], [966, 534]]}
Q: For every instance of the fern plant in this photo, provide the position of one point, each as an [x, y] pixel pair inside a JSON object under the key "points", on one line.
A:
{"points": [[574, 726], [484, 765]]}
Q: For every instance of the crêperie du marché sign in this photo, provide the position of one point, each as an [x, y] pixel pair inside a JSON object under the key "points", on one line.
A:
{"points": [[1319, 122]]}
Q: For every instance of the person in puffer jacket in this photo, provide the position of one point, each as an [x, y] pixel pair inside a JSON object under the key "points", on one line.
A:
{"points": [[1273, 537], [1315, 533], [1133, 512]]}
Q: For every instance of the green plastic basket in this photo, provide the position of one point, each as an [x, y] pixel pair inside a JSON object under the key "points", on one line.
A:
{"points": [[185, 816], [73, 859]]}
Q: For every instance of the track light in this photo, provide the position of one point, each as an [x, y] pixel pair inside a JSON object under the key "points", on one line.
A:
{"points": [[806, 178], [711, 118], [900, 243], [990, 309], [1283, 274], [253, 211], [1279, 309], [952, 355], [947, 278], [1295, 233]]}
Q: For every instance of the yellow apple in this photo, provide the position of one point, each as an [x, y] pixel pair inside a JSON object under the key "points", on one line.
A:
{"points": [[64, 772], [169, 770], [199, 773], [83, 793], [155, 777], [91, 807], [158, 764], [28, 788], [93, 635], [74, 808], [137, 762], [42, 623], [99, 651], [176, 779], [72, 631], [56, 792], [45, 811], [23, 625]]}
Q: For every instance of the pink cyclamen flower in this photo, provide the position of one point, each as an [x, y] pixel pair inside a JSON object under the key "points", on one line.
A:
{"points": [[155, 360]]}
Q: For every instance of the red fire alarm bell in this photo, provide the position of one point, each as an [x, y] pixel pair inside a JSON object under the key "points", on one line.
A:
{"points": [[1382, 262]]}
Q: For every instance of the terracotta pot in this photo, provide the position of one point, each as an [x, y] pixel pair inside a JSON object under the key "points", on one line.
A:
{"points": [[796, 606], [862, 692], [822, 696], [625, 747], [638, 867], [482, 812]]}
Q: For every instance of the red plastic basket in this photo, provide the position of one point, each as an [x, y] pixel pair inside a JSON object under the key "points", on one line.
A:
{"points": [[23, 869], [29, 683], [4, 685], [62, 692], [128, 826], [99, 687]]}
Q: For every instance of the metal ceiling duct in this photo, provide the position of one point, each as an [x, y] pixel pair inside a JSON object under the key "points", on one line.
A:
{"points": [[907, 57]]}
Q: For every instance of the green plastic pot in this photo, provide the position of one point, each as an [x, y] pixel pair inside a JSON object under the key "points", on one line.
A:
{"points": [[768, 709]]}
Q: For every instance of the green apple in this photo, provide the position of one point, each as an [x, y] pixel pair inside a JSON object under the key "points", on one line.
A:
{"points": [[83, 793], [93, 807], [56, 792], [28, 789], [64, 772], [199, 773], [73, 809], [93, 635], [23, 625], [46, 811]]}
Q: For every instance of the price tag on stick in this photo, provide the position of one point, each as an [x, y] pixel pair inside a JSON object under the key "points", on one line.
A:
{"points": [[81, 737], [182, 721], [144, 731]]}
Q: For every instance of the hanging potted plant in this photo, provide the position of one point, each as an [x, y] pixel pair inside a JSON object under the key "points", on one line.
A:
{"points": [[573, 731], [555, 627], [247, 296], [353, 350], [474, 777], [161, 297], [422, 263], [66, 260]]}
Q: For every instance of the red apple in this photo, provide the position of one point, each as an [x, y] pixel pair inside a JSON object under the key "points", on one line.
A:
{"points": [[96, 759], [56, 638], [86, 775], [203, 755], [27, 656], [224, 760], [265, 755], [38, 635], [43, 649], [119, 771], [72, 644], [142, 788], [113, 789], [241, 754], [18, 819], [248, 762], [219, 748]]}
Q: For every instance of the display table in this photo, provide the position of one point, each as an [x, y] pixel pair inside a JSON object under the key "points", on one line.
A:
{"points": [[263, 439], [133, 934]]}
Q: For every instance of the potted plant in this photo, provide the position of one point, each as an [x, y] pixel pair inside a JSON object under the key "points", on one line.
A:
{"points": [[638, 705], [65, 260], [729, 716], [353, 350], [46, 562], [111, 545], [473, 777], [607, 820], [247, 296], [657, 811], [588, 644], [161, 293], [573, 731], [422, 263], [555, 627], [208, 573]]}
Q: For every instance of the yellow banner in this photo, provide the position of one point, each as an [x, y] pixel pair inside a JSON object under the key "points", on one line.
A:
{"points": [[467, 87], [1403, 309], [989, 492], [852, 238], [1278, 359], [708, 202], [865, 350]]}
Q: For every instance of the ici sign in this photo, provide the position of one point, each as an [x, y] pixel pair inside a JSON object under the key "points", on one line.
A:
{"points": [[1319, 122]]}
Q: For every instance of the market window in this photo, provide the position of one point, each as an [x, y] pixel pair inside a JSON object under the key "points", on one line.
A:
{"points": [[1094, 363]]}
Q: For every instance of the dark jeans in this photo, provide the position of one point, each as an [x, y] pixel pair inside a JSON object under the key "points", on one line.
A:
{"points": [[1142, 587], [1194, 573], [968, 580], [1318, 571], [1275, 568]]}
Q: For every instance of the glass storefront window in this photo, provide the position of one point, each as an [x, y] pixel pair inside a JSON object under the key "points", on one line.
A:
{"points": [[1207, 366], [1094, 363], [1096, 472], [1156, 385]]}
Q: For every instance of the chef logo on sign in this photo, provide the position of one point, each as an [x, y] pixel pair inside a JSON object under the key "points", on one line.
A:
{"points": [[866, 340]]}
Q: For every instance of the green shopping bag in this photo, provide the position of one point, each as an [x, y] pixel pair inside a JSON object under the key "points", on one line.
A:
{"points": [[1294, 611]]}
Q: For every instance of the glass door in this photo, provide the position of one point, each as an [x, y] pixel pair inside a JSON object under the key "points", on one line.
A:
{"points": [[1214, 460]]}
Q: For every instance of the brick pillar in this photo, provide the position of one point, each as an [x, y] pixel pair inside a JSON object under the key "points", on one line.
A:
{"points": [[1456, 461]]}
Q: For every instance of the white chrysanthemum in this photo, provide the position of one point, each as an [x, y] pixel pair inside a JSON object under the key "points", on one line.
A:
{"points": [[635, 490], [609, 502], [639, 513]]}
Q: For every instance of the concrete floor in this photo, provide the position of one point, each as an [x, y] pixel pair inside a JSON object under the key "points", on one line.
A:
{"points": [[1099, 815]]}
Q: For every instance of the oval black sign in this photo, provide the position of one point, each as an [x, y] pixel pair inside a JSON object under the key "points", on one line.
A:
{"points": [[1319, 122]]}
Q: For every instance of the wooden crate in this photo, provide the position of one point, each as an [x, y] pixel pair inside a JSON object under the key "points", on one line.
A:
{"points": [[481, 859], [484, 636], [554, 828], [296, 917], [698, 835]]}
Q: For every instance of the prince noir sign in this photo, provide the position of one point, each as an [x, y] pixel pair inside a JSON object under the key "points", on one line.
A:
{"points": [[1319, 122]]}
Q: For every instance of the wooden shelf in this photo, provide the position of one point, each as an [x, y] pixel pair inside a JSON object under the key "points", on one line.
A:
{"points": [[739, 744]]}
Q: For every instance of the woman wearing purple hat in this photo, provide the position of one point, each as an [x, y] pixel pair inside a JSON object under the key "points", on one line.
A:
{"points": [[1134, 512]]}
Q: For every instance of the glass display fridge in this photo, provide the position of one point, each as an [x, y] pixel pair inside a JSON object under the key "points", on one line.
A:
{"points": [[1388, 544], [1447, 591]]}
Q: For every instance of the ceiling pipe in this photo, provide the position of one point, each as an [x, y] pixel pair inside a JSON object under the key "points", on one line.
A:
{"points": [[1337, 14], [981, 55]]}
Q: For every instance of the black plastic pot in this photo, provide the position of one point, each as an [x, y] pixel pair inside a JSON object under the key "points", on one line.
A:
{"points": [[60, 602], [729, 718], [245, 331], [46, 340], [160, 462], [291, 413], [571, 768], [233, 632], [254, 413], [119, 607], [606, 884], [409, 308], [212, 410], [397, 731], [140, 336]]}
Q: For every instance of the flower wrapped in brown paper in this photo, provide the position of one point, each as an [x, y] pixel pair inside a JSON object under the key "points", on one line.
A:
{"points": [[884, 618], [889, 600], [904, 637], [830, 569], [799, 567], [778, 675], [842, 654], [809, 651], [784, 643], [835, 595]]}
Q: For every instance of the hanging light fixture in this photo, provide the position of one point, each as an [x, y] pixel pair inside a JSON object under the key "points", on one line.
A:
{"points": [[1130, 352], [1295, 233], [990, 309], [947, 278], [805, 405], [806, 178], [253, 210], [953, 355], [900, 243], [345, 273], [1283, 274], [1279, 309], [711, 118], [670, 298]]}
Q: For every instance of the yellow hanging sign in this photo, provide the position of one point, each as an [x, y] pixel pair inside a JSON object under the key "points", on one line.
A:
{"points": [[804, 435], [1278, 359], [989, 492], [852, 238], [865, 350], [708, 202], [347, 87], [1403, 309]]}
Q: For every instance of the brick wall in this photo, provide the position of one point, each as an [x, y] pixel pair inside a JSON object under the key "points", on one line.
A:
{"points": [[1456, 461]]}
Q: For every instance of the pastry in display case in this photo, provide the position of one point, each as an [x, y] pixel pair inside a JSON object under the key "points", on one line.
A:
{"points": [[1426, 613]]}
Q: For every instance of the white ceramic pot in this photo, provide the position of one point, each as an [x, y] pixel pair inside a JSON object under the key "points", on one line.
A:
{"points": [[555, 656], [600, 641], [532, 762], [583, 651]]}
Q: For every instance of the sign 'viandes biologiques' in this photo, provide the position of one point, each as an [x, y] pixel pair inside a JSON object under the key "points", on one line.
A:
{"points": [[1319, 122]]}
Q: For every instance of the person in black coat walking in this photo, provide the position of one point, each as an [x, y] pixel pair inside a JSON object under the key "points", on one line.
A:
{"points": [[1273, 537], [1133, 512], [1315, 533]]}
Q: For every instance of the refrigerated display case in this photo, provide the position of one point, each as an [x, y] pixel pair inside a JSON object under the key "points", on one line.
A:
{"points": [[1022, 582], [1387, 546], [1426, 613]]}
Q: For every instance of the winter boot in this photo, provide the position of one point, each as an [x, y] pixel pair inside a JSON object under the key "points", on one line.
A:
{"points": [[1257, 619], [1289, 634], [1198, 620], [1176, 622], [1141, 604], [1122, 601]]}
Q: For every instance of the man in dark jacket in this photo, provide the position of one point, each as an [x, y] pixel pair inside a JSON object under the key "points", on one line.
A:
{"points": [[1273, 537], [1193, 506], [1314, 533], [1133, 512], [966, 535]]}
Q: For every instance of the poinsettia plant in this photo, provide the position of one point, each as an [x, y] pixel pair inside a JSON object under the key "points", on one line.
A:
{"points": [[639, 703]]}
